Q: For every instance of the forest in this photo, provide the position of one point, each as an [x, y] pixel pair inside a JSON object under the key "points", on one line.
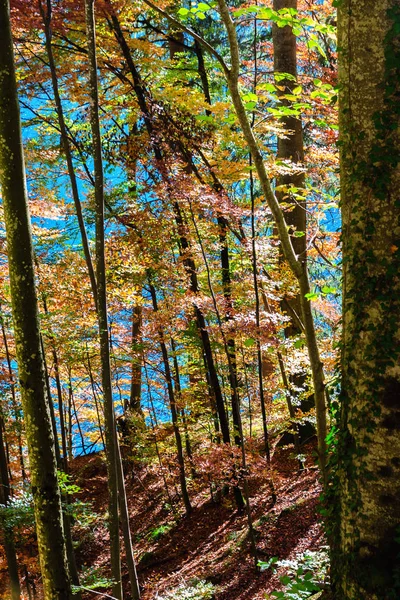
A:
{"points": [[199, 299]]}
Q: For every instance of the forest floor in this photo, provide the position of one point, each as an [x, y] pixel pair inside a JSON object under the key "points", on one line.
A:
{"points": [[212, 545]]}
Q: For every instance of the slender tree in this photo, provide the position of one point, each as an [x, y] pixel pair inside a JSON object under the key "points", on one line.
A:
{"points": [[39, 433], [8, 534], [116, 483], [173, 407], [46, 14], [137, 361], [16, 410], [109, 416], [144, 101], [291, 149]]}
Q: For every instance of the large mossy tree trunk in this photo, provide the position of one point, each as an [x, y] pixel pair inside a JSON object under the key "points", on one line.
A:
{"points": [[366, 550], [38, 425]]}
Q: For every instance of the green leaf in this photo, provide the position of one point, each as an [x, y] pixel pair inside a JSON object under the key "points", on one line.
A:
{"points": [[183, 12], [268, 87], [299, 234], [250, 105], [311, 296], [265, 14], [249, 342], [299, 344], [328, 290], [203, 6], [314, 43], [281, 76], [250, 97], [205, 118]]}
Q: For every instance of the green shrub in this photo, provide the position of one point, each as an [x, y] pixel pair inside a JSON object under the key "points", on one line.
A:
{"points": [[304, 574], [19, 512], [92, 579], [158, 532]]}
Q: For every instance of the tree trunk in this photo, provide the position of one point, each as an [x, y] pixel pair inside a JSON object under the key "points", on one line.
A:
{"points": [[291, 149], [61, 414], [109, 417], [366, 549], [39, 433], [125, 526], [178, 390], [16, 410], [8, 535], [137, 361], [174, 412], [96, 401]]}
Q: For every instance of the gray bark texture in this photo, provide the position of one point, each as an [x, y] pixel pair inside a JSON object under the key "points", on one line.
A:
{"points": [[366, 550], [38, 426]]}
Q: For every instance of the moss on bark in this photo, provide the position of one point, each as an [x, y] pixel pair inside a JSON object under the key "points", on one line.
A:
{"points": [[366, 551], [26, 329]]}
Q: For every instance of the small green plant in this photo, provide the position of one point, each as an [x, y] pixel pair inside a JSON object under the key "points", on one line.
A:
{"points": [[82, 513], [67, 487], [304, 574], [316, 562], [233, 536], [18, 512], [196, 589], [91, 579], [297, 587], [158, 532]]}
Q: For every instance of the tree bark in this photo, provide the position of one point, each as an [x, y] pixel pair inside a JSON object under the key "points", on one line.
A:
{"points": [[173, 407], [8, 534], [137, 361], [365, 551], [291, 149], [39, 433], [109, 417]]}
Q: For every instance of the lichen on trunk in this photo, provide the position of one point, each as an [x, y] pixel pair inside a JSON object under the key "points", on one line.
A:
{"points": [[368, 522], [38, 425]]}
